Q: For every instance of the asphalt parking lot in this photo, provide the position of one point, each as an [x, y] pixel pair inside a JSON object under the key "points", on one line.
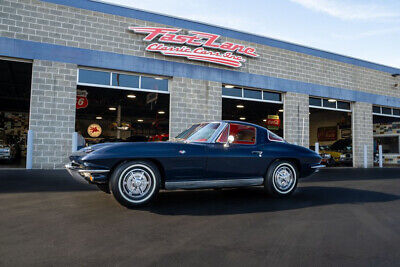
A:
{"points": [[340, 217]]}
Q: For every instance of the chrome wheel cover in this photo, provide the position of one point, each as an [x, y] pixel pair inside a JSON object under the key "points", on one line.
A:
{"points": [[136, 183], [284, 178]]}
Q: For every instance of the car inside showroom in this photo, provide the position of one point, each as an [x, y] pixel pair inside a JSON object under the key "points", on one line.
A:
{"points": [[330, 131]]}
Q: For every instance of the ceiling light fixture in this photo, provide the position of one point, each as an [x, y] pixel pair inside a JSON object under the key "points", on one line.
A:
{"points": [[264, 120], [239, 106], [112, 108], [158, 78], [140, 120], [228, 86], [99, 118], [131, 96], [332, 100], [161, 112], [281, 110], [242, 118]]}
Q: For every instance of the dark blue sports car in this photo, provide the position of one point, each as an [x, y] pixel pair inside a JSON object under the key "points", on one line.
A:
{"points": [[207, 155]]}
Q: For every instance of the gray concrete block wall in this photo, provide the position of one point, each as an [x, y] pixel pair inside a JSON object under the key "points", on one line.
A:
{"points": [[362, 128], [52, 112], [56, 24], [193, 101], [295, 110]]}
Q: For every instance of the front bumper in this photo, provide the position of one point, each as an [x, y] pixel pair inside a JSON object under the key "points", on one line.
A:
{"points": [[90, 175]]}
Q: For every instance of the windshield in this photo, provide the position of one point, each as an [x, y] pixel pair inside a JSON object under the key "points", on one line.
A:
{"points": [[198, 132]]}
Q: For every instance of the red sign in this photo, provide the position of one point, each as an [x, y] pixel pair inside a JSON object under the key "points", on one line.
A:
{"points": [[231, 54], [81, 99], [273, 122], [81, 102]]}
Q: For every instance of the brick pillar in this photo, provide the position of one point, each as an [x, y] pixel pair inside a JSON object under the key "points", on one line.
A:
{"points": [[295, 108], [52, 112], [193, 101], [362, 128]]}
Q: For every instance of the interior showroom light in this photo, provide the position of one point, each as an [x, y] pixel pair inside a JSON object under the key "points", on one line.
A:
{"points": [[332, 100], [112, 108], [242, 118], [228, 86], [99, 118], [281, 110], [131, 96], [140, 120], [161, 112], [240, 106]]}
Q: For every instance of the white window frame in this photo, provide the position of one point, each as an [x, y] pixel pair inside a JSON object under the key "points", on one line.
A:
{"points": [[328, 108], [254, 99], [110, 86], [385, 115]]}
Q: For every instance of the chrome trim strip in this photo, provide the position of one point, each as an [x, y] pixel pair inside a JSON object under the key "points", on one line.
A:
{"points": [[318, 166], [93, 171], [214, 183], [73, 168]]}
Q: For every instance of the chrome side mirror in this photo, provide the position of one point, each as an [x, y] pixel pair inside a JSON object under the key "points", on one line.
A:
{"points": [[230, 140]]}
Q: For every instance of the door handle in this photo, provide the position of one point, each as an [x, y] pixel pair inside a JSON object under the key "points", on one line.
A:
{"points": [[259, 153]]}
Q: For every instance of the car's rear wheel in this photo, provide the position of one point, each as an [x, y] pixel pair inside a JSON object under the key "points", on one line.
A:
{"points": [[281, 178], [135, 183]]}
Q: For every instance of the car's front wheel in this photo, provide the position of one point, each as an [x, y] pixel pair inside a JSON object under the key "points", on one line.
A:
{"points": [[281, 178], [135, 183]]}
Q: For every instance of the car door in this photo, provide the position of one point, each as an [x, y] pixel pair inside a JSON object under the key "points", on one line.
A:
{"points": [[187, 161], [243, 158]]}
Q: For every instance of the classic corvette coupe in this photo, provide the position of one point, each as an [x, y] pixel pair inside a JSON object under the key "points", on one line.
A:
{"points": [[206, 155]]}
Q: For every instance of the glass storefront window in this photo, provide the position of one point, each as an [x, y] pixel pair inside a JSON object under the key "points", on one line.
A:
{"points": [[125, 80], [237, 92], [271, 96], [387, 111], [154, 83], [94, 77], [256, 94], [376, 109], [315, 101], [328, 104], [343, 105]]}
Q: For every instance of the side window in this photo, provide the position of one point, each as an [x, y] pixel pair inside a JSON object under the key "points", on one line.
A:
{"points": [[243, 134], [274, 138]]}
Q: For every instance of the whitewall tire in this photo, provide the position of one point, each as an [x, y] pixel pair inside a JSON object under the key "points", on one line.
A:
{"points": [[135, 183], [281, 179]]}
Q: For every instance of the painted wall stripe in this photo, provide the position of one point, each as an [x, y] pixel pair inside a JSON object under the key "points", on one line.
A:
{"points": [[178, 22], [92, 58]]}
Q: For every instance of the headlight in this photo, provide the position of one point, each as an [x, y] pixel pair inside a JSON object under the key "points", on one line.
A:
{"points": [[326, 156]]}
